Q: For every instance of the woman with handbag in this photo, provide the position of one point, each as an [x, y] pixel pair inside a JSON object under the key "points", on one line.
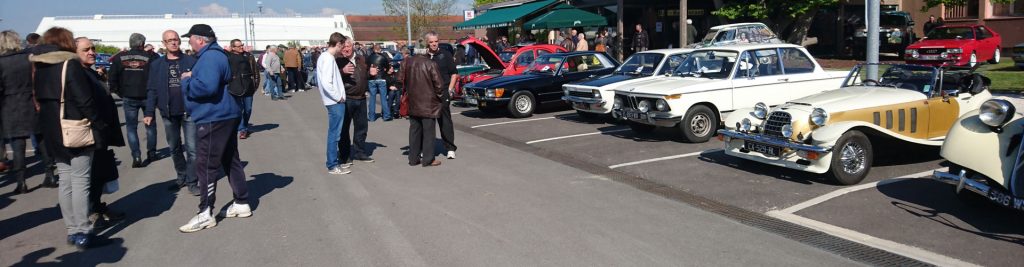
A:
{"points": [[17, 110], [104, 163], [68, 120]]}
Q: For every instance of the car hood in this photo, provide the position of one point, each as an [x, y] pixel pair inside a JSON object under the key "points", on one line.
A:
{"points": [[944, 43], [675, 85], [486, 53], [854, 98], [506, 81], [607, 80]]}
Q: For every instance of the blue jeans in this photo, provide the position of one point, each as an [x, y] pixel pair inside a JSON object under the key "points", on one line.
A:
{"points": [[378, 87], [266, 83], [275, 85], [246, 102], [311, 76], [393, 97], [131, 122], [184, 156], [335, 117]]}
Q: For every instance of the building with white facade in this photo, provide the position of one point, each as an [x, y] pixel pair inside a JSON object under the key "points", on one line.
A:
{"points": [[263, 30]]}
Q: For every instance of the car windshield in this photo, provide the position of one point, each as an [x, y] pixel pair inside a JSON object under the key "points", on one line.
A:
{"points": [[910, 77], [506, 56], [951, 33], [545, 64], [891, 20], [640, 64], [708, 64]]}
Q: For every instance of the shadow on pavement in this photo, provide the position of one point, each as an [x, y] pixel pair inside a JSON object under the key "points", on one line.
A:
{"points": [[263, 127], [262, 184], [28, 220], [372, 147], [150, 201], [719, 157], [103, 251], [936, 201]]}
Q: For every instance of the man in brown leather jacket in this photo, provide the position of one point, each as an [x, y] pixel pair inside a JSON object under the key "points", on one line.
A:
{"points": [[424, 88]]}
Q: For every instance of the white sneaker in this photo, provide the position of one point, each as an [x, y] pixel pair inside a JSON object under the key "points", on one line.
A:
{"points": [[201, 221], [339, 171], [345, 165], [238, 210], [451, 154]]}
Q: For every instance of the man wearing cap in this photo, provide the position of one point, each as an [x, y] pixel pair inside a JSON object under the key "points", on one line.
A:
{"points": [[129, 75], [216, 115]]}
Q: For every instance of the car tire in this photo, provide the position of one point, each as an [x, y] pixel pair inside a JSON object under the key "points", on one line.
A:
{"points": [[641, 128], [699, 124], [851, 158], [995, 58], [973, 61], [522, 104]]}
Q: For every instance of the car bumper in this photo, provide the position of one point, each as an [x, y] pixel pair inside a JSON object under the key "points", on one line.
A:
{"points": [[592, 105], [788, 158], [996, 195], [651, 118], [939, 62], [1018, 61]]}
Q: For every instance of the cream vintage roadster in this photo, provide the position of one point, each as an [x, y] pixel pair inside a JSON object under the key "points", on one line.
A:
{"points": [[984, 149], [835, 131]]}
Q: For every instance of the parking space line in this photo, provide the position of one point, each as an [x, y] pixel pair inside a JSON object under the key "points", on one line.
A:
{"points": [[883, 244], [847, 190], [663, 158], [518, 121], [576, 135]]}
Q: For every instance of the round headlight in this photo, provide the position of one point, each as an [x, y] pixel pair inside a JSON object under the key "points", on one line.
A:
{"points": [[644, 106], [996, 112], [787, 131], [915, 54], [760, 110], [618, 103], [745, 125], [661, 105], [819, 116]]}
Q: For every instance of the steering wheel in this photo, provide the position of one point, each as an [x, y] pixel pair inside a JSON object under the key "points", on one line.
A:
{"points": [[870, 82], [971, 83]]}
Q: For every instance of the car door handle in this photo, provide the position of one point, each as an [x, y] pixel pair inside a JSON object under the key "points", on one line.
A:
{"points": [[784, 80]]}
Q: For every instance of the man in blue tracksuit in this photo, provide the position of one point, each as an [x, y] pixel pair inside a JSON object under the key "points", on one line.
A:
{"points": [[165, 94], [216, 115]]}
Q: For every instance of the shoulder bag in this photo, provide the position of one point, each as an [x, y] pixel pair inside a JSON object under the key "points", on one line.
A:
{"points": [[76, 133]]}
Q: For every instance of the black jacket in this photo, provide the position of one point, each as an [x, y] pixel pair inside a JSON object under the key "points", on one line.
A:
{"points": [[79, 98], [356, 84], [129, 73], [17, 110], [445, 67], [157, 90], [106, 111]]}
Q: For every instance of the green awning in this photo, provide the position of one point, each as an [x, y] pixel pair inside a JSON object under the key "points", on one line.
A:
{"points": [[503, 16], [566, 16]]}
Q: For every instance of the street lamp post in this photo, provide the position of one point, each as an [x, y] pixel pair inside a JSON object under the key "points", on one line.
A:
{"points": [[408, 23]]}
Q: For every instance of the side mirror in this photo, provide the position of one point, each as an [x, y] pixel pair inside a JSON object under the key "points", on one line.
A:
{"points": [[911, 23]]}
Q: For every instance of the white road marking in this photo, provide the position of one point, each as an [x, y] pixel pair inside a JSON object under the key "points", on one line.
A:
{"points": [[576, 135], [518, 121], [663, 158], [871, 241], [847, 190]]}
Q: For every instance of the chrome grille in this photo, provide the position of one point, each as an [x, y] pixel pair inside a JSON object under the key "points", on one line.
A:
{"points": [[581, 94], [633, 101], [934, 51], [777, 119]]}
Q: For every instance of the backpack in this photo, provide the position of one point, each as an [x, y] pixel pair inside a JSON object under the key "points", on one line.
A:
{"points": [[243, 80]]}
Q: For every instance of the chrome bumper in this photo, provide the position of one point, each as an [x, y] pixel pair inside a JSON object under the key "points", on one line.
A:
{"points": [[961, 182], [576, 99], [774, 141]]}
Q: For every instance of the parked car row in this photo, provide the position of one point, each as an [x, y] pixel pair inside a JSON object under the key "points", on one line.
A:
{"points": [[772, 103]]}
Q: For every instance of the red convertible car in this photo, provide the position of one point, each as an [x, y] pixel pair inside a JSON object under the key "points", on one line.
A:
{"points": [[960, 45], [497, 67]]}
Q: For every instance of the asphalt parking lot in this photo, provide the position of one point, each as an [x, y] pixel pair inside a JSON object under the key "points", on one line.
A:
{"points": [[898, 208]]}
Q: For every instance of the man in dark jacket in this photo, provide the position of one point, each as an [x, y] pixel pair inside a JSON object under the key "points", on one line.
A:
{"points": [[129, 72], [355, 74], [424, 87], [640, 40], [449, 75], [378, 84], [165, 93], [238, 57], [215, 113], [104, 162]]}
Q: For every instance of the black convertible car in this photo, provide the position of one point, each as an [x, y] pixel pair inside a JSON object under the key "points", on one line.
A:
{"points": [[540, 84]]}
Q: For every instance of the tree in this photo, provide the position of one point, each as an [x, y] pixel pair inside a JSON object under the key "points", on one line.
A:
{"points": [[790, 19], [425, 14], [929, 4], [106, 49], [486, 2]]}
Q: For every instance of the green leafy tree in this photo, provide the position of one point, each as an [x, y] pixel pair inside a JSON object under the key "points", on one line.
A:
{"points": [[790, 19], [106, 49], [424, 16]]}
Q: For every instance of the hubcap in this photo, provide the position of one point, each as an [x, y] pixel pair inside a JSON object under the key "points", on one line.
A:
{"points": [[523, 104], [974, 59], [700, 125], [997, 56], [853, 158]]}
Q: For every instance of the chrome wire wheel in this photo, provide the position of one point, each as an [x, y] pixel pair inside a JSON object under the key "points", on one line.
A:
{"points": [[700, 125], [523, 104], [853, 158]]}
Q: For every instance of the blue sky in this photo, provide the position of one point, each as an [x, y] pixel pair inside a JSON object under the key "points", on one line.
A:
{"points": [[24, 15]]}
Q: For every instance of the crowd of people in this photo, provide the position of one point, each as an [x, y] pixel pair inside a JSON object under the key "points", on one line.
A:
{"points": [[57, 101]]}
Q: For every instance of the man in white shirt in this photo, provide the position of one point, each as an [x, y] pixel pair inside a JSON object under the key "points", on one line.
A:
{"points": [[332, 92]]}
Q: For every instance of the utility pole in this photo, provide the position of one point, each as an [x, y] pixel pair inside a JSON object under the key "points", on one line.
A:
{"points": [[245, 26], [873, 7], [619, 38], [408, 23], [683, 27]]}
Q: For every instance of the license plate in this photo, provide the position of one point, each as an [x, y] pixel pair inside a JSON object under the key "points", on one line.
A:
{"points": [[579, 105], [634, 115], [1005, 199], [767, 150], [929, 57], [470, 100]]}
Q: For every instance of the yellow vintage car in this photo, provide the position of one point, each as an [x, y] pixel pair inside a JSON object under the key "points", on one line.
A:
{"points": [[833, 131], [984, 150]]}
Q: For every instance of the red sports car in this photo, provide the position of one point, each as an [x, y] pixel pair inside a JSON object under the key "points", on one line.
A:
{"points": [[960, 45], [516, 64]]}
